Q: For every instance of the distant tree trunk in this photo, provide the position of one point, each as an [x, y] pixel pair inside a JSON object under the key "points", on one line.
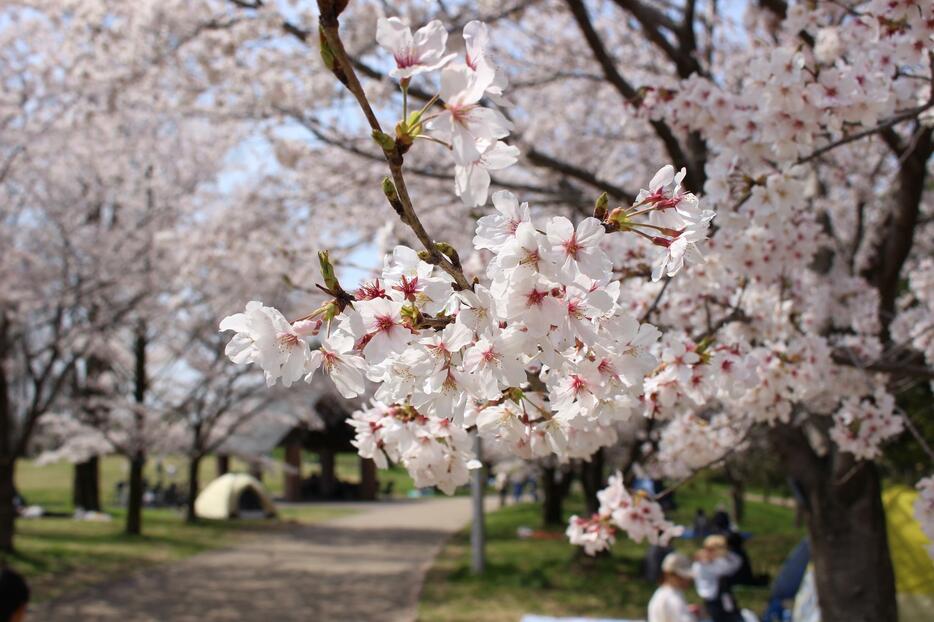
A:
{"points": [[554, 488], [256, 470], [7, 510], [846, 523], [369, 482], [738, 495], [223, 464], [328, 476], [86, 488], [134, 506], [194, 464], [7, 457], [592, 480], [292, 476]]}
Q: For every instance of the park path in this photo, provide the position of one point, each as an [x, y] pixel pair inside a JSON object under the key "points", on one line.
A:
{"points": [[366, 567]]}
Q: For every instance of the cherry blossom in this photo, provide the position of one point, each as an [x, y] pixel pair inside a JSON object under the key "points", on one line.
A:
{"points": [[413, 54]]}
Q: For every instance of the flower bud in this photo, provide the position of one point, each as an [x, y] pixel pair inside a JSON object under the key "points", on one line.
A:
{"points": [[600, 207], [384, 140], [449, 252], [389, 189], [327, 272]]}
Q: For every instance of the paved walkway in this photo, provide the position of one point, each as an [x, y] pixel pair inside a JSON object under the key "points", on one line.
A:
{"points": [[366, 567]]}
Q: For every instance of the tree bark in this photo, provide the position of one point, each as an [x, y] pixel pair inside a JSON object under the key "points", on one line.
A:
{"points": [[7, 458], [7, 511], [846, 522], [194, 464], [328, 474], [552, 506], [592, 480], [86, 492], [223, 464], [369, 482], [134, 505], [738, 495], [292, 486], [849, 545]]}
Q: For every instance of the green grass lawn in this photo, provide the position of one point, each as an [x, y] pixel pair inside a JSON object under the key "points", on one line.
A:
{"points": [[59, 555], [551, 577]]}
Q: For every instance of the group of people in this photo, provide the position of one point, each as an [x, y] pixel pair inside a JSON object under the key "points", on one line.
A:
{"points": [[712, 573]]}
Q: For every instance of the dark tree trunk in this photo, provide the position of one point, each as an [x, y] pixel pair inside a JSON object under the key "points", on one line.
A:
{"points": [[223, 464], [86, 494], [738, 495], [292, 484], [328, 474], [134, 505], [849, 546], [552, 506], [592, 480], [369, 482], [7, 459], [194, 464], [846, 522], [7, 510]]}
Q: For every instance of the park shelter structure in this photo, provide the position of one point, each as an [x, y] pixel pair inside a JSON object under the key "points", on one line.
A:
{"points": [[322, 430], [234, 495]]}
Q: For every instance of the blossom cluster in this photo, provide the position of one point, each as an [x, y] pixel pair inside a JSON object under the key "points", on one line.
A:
{"points": [[861, 425], [540, 356], [690, 443], [472, 131], [637, 514], [434, 450]]}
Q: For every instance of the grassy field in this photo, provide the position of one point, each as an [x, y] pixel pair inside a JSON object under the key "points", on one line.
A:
{"points": [[58, 555], [50, 485], [551, 577]]}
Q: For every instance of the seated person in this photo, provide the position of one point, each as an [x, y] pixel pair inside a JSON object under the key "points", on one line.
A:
{"points": [[14, 596], [668, 604], [713, 566]]}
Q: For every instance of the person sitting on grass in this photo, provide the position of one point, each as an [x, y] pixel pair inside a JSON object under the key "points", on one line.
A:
{"points": [[667, 603], [14, 596], [714, 564]]}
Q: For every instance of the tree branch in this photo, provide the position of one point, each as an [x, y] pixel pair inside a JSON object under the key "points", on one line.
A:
{"points": [[693, 179]]}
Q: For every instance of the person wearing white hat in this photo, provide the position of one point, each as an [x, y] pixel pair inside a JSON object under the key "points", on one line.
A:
{"points": [[668, 603]]}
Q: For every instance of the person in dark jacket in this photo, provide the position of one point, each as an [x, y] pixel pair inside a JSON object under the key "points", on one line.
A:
{"points": [[14, 596]]}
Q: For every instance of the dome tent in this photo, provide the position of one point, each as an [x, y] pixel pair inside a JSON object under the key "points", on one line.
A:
{"points": [[234, 495]]}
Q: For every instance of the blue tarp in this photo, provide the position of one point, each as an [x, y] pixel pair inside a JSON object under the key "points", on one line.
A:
{"points": [[789, 577]]}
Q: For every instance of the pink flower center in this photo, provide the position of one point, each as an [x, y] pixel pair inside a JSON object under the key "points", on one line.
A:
{"points": [[572, 247], [460, 113], [535, 297], [406, 58], [408, 288], [289, 340], [384, 323]]}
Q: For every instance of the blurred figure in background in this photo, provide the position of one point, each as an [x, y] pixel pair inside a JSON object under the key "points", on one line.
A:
{"points": [[713, 566], [14, 596], [668, 603], [701, 525]]}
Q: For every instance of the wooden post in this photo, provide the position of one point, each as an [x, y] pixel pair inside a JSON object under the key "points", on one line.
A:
{"points": [[328, 476], [223, 464], [369, 484], [293, 475]]}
